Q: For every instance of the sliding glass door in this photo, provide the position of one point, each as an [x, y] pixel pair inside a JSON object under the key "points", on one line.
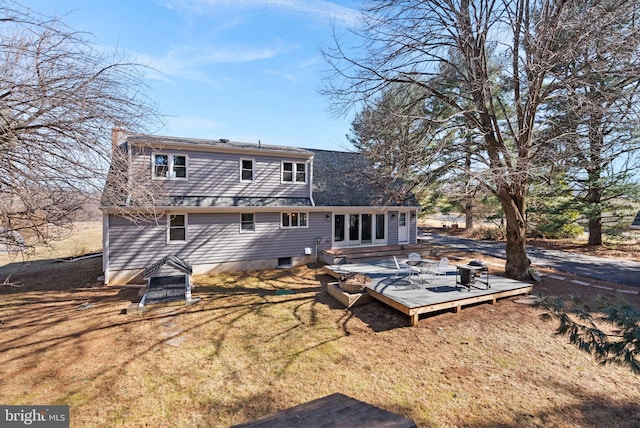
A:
{"points": [[354, 229]]}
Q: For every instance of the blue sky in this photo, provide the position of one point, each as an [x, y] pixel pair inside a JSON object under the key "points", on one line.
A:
{"points": [[246, 70]]}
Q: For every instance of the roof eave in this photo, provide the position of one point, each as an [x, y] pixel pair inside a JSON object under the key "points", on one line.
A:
{"points": [[212, 147]]}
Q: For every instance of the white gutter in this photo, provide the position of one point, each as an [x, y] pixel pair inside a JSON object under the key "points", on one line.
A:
{"points": [[313, 204], [129, 173], [105, 246], [234, 209]]}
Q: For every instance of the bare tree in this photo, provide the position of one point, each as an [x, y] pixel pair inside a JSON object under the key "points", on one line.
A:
{"points": [[413, 42], [59, 99]]}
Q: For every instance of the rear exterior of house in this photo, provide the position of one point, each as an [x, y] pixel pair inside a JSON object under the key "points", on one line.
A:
{"points": [[231, 206]]}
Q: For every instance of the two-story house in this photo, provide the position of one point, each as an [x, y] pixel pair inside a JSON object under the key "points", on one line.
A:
{"points": [[236, 206]]}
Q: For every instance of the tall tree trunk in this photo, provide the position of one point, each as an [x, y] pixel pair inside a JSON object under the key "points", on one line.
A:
{"points": [[595, 213], [468, 196], [468, 213], [595, 232], [517, 265], [594, 174]]}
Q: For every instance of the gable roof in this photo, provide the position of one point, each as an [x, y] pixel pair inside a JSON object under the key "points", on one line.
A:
{"points": [[170, 260], [220, 145], [349, 179]]}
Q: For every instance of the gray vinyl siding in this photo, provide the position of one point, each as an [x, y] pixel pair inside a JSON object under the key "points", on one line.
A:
{"points": [[413, 227], [213, 238], [392, 229], [218, 174], [134, 245]]}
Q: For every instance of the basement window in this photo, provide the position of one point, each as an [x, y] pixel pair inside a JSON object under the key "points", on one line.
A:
{"points": [[284, 262]]}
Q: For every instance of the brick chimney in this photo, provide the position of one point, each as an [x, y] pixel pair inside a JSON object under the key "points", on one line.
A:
{"points": [[118, 135]]}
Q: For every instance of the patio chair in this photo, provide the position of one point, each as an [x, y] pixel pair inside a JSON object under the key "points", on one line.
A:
{"points": [[413, 269], [402, 270], [441, 268], [429, 272]]}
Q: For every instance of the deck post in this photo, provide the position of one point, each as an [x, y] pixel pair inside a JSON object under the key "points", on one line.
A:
{"points": [[414, 319]]}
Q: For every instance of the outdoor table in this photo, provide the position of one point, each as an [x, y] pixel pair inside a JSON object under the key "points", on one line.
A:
{"points": [[424, 265], [468, 275]]}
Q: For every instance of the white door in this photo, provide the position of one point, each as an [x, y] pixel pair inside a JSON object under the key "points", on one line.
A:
{"points": [[403, 228]]}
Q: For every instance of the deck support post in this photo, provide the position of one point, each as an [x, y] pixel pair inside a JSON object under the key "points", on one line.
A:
{"points": [[414, 319]]}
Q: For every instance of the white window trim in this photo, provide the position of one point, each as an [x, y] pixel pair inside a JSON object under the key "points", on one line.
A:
{"points": [[294, 227], [253, 170], [170, 156], [293, 178], [254, 223], [186, 228]]}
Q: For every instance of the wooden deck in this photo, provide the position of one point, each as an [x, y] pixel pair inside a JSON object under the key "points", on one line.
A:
{"points": [[413, 298]]}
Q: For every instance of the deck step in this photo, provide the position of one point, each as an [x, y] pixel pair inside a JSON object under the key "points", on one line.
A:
{"points": [[353, 254]]}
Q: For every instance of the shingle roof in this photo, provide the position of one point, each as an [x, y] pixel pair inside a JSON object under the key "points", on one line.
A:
{"points": [[237, 201], [636, 221], [220, 144], [348, 179], [172, 261]]}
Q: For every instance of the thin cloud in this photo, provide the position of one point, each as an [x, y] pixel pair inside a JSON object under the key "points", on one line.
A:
{"points": [[314, 8], [289, 77], [193, 62]]}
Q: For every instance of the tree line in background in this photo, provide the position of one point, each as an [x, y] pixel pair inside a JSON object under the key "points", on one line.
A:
{"points": [[530, 103]]}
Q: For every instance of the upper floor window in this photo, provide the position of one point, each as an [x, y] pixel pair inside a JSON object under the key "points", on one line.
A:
{"points": [[247, 222], [169, 166], [177, 228], [294, 172], [246, 169], [294, 220]]}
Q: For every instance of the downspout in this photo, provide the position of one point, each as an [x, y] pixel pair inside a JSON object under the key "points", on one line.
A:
{"points": [[129, 174], [313, 204], [105, 246]]}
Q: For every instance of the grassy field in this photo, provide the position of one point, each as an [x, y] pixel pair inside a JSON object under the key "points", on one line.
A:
{"points": [[244, 351]]}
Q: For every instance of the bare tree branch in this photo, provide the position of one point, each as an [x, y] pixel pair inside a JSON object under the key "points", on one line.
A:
{"points": [[59, 99], [504, 55]]}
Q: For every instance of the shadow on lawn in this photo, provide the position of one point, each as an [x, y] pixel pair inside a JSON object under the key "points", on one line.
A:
{"points": [[591, 410], [51, 275], [222, 315], [224, 306]]}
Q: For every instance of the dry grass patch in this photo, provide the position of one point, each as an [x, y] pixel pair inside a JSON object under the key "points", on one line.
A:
{"points": [[249, 351]]}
